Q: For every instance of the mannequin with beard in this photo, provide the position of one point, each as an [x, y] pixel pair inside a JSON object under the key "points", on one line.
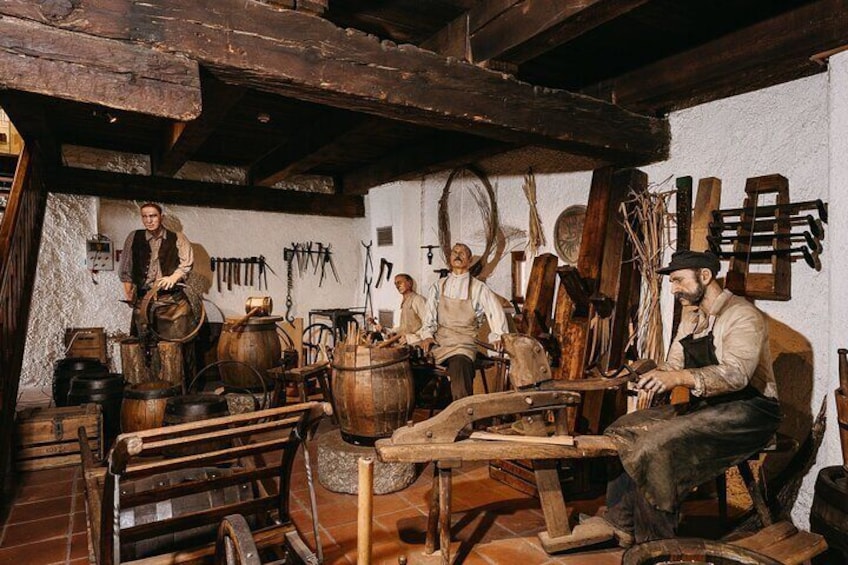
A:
{"points": [[721, 354]]}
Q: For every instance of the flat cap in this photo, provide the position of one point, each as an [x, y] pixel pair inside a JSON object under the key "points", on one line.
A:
{"points": [[692, 260]]}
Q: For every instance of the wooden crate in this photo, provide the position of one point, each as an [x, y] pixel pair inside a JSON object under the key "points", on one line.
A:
{"points": [[46, 438], [86, 342]]}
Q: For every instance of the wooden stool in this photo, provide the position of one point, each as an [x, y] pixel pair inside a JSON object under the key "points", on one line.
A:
{"points": [[300, 377]]}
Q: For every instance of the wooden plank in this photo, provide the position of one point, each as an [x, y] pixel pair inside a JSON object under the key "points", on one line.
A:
{"points": [[539, 297], [45, 60], [305, 57], [106, 184], [707, 199], [181, 140], [761, 55], [684, 227]]}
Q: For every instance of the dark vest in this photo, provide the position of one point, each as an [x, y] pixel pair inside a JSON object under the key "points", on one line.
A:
{"points": [[169, 258]]}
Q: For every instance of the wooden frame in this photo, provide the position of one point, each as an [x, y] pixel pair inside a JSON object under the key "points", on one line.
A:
{"points": [[259, 446]]}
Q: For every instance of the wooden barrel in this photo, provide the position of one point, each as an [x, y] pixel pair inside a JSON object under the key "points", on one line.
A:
{"points": [[105, 390], [372, 391], [829, 515], [693, 551], [254, 343], [181, 538], [192, 408], [144, 404], [164, 362], [64, 370]]}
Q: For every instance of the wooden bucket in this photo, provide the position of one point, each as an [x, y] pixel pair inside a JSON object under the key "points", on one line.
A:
{"points": [[143, 407], [179, 506], [829, 514], [693, 551], [372, 391], [192, 408], [165, 362], [254, 343]]}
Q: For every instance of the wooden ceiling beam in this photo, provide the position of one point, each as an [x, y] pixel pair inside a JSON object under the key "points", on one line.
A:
{"points": [[516, 31], [44, 60], [302, 56], [106, 184], [445, 151], [315, 137], [182, 140], [758, 56], [27, 113]]}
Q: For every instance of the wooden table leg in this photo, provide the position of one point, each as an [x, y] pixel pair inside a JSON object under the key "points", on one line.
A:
{"points": [[445, 510], [433, 515]]}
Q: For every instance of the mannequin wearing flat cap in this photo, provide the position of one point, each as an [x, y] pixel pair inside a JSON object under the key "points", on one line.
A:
{"points": [[721, 354]]}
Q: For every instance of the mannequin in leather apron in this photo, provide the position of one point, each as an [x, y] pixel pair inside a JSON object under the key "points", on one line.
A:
{"points": [[413, 308], [154, 257], [721, 354], [455, 306]]}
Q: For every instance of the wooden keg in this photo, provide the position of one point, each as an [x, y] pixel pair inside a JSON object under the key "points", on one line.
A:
{"points": [[372, 391], [105, 390], [829, 514], [164, 362], [64, 370], [144, 404], [255, 343], [174, 507]]}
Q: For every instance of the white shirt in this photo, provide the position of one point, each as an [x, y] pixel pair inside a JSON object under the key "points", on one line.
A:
{"points": [[483, 300]]}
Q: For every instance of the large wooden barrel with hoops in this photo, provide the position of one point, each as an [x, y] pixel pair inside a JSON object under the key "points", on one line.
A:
{"points": [[372, 391], [253, 342], [64, 370], [105, 390], [143, 407], [181, 538], [829, 514]]}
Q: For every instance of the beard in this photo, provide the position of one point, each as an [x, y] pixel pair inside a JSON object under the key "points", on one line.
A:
{"points": [[692, 298]]}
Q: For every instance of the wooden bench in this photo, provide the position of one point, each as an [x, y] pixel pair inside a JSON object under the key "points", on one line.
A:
{"points": [[145, 508]]}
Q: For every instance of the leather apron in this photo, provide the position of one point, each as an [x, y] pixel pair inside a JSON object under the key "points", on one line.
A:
{"points": [[409, 320], [668, 454], [457, 326]]}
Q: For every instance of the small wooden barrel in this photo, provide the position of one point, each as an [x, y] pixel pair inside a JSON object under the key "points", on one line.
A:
{"points": [[178, 506], [829, 514], [191, 408], [254, 343], [693, 551], [105, 390], [64, 370], [166, 362], [372, 391], [144, 404]]}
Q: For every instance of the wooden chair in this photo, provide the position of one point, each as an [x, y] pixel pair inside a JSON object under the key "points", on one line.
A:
{"points": [[146, 508]]}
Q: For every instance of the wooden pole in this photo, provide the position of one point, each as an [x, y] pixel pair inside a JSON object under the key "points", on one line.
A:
{"points": [[365, 510]]}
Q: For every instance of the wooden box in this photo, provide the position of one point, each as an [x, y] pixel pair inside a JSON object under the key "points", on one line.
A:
{"points": [[46, 438], [86, 342]]}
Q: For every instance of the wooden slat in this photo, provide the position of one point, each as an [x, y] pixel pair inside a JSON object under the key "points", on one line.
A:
{"points": [[213, 195], [761, 55], [305, 57], [539, 297], [45, 60], [226, 433]]}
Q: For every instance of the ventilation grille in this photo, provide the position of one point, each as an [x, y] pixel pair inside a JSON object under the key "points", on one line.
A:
{"points": [[384, 236], [386, 318]]}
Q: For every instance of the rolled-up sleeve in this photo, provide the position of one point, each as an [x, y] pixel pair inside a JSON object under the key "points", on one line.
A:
{"points": [[186, 255], [490, 305], [431, 317], [741, 341], [125, 270]]}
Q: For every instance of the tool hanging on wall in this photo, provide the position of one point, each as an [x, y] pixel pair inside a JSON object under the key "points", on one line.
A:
{"points": [[288, 258], [327, 259], [368, 278], [385, 269], [240, 271], [429, 249]]}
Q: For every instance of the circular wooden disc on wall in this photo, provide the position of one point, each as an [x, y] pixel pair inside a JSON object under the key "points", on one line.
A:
{"points": [[568, 231]]}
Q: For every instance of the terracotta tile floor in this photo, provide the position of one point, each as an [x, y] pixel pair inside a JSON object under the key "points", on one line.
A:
{"points": [[492, 523]]}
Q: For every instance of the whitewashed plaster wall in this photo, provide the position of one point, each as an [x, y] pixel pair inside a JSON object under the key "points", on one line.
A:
{"points": [[64, 294], [784, 129]]}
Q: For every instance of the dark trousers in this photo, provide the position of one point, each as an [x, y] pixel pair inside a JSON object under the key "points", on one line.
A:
{"points": [[460, 370], [628, 510]]}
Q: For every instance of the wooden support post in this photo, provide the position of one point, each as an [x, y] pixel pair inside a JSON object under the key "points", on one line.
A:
{"points": [[444, 472], [433, 515], [684, 228], [364, 514], [539, 298]]}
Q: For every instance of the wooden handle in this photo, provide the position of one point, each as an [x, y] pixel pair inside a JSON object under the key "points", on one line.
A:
{"points": [[364, 513], [390, 341], [244, 320], [843, 370]]}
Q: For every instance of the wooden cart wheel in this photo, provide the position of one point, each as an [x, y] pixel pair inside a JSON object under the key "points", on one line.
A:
{"points": [[235, 545]]}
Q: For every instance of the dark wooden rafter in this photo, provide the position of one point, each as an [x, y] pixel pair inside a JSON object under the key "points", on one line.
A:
{"points": [[317, 136], [445, 151], [516, 31], [42, 59], [305, 57], [30, 120], [194, 193], [758, 56], [182, 140]]}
